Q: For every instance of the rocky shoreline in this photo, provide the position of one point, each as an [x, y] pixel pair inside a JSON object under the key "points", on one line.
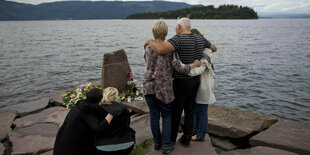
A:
{"points": [[231, 131]]}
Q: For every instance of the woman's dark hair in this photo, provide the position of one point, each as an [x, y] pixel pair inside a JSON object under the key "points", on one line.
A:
{"points": [[94, 95], [196, 31]]}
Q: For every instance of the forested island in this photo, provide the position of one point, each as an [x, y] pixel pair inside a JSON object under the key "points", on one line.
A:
{"points": [[202, 12]]}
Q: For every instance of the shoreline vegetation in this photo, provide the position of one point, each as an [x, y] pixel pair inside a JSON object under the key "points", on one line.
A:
{"points": [[203, 12]]}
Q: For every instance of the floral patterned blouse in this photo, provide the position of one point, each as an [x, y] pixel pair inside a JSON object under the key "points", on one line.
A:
{"points": [[158, 76]]}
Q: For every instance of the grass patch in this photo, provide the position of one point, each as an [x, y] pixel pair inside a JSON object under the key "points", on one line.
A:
{"points": [[143, 148]]}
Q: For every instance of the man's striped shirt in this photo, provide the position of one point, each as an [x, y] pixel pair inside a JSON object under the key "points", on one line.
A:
{"points": [[190, 48]]}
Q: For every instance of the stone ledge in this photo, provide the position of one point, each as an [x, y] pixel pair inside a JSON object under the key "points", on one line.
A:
{"points": [[51, 115], [139, 107], [6, 120], [235, 123], [290, 136], [31, 107], [36, 138], [259, 150], [223, 143], [141, 124]]}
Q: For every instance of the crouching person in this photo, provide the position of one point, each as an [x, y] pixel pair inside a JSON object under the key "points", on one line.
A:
{"points": [[118, 138]]}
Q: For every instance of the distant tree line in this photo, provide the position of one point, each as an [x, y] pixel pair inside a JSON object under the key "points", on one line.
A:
{"points": [[203, 12]]}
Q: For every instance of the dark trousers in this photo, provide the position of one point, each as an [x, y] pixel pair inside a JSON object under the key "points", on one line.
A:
{"points": [[201, 120], [157, 107], [185, 91]]}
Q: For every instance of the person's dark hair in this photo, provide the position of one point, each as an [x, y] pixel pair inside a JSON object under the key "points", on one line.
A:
{"points": [[195, 31], [94, 95]]}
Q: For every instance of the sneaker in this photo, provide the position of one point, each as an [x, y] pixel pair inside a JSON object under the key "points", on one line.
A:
{"points": [[167, 150], [185, 144]]}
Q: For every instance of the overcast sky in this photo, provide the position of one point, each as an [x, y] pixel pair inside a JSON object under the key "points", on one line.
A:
{"points": [[260, 6]]}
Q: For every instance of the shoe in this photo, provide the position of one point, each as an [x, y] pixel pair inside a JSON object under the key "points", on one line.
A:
{"points": [[197, 139], [167, 150], [185, 144], [157, 146]]}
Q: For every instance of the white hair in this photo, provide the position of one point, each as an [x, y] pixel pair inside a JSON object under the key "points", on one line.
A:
{"points": [[185, 23]]}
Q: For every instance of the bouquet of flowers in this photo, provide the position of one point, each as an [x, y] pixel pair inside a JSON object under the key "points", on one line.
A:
{"points": [[71, 97], [132, 92]]}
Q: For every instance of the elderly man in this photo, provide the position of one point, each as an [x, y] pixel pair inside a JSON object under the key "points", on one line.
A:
{"points": [[189, 48]]}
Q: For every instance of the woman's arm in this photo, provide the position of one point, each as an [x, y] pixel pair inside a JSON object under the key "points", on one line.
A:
{"points": [[183, 68], [197, 71], [98, 126]]}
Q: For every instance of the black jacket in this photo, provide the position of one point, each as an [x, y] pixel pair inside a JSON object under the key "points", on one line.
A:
{"points": [[77, 133], [118, 131]]}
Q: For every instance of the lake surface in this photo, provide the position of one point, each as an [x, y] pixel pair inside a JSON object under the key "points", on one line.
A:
{"points": [[261, 66]]}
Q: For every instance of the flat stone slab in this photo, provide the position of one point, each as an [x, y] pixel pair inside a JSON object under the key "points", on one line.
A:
{"points": [[57, 99], [2, 148], [139, 107], [35, 138], [235, 123], [30, 107], [141, 124], [51, 115], [196, 148], [223, 143], [290, 136], [47, 153], [6, 120], [259, 150]]}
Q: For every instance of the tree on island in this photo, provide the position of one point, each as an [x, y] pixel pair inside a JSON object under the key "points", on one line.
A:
{"points": [[204, 12]]}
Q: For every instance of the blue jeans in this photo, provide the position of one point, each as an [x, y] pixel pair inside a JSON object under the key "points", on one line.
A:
{"points": [[201, 120], [156, 107]]}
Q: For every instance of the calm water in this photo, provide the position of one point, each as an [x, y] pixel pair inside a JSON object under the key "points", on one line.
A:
{"points": [[261, 66]]}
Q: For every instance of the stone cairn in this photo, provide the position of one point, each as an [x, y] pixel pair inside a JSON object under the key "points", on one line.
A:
{"points": [[230, 131]]}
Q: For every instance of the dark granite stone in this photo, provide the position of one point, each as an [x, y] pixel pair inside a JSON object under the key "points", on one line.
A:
{"points": [[6, 119], [290, 136]]}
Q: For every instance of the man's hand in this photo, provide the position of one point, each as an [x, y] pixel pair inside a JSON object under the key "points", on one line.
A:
{"points": [[195, 64], [147, 43]]}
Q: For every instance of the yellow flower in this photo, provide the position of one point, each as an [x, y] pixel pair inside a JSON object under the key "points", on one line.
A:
{"points": [[84, 97]]}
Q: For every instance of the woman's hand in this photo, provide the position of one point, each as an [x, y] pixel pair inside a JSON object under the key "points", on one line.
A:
{"points": [[109, 118], [195, 64]]}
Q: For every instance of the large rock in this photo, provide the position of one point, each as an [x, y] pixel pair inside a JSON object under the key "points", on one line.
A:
{"points": [[141, 125], [235, 123], [115, 69], [259, 150], [37, 132], [6, 120], [291, 136], [223, 143], [35, 138], [2, 148], [139, 107], [47, 153], [54, 115], [196, 148], [57, 100], [30, 107]]}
